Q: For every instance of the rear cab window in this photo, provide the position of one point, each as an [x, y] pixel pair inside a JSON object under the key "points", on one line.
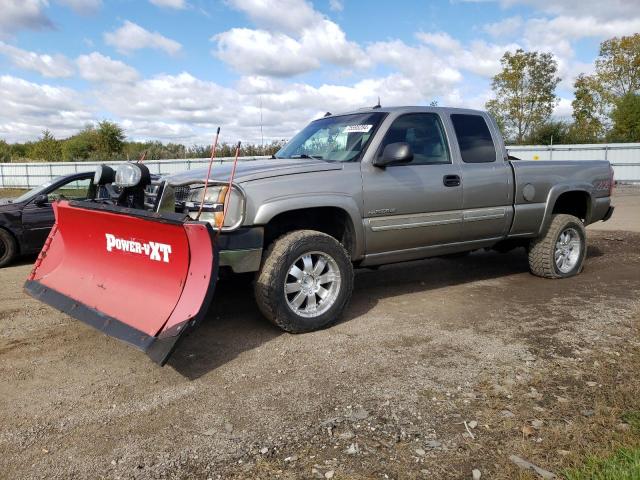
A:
{"points": [[474, 138]]}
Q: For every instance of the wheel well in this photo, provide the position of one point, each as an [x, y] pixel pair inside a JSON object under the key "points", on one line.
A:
{"points": [[574, 203], [15, 239], [333, 221]]}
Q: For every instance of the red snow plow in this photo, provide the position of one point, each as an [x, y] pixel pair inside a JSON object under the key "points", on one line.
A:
{"points": [[142, 277]]}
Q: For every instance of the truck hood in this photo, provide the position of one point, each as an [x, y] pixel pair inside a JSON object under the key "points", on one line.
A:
{"points": [[248, 170]]}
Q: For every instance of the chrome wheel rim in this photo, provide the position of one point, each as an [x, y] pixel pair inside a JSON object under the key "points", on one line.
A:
{"points": [[568, 250], [312, 284]]}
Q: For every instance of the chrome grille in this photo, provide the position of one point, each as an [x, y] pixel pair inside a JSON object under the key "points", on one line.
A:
{"points": [[182, 193]]}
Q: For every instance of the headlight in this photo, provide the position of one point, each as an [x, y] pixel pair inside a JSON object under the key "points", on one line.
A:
{"points": [[132, 174], [104, 175], [213, 209]]}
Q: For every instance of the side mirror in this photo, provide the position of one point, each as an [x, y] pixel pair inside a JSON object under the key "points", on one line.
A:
{"points": [[41, 200], [399, 152]]}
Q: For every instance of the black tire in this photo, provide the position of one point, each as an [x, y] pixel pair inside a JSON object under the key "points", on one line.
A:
{"points": [[8, 248], [542, 250], [277, 261]]}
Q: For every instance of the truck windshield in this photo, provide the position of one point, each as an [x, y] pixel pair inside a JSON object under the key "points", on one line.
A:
{"points": [[336, 139], [36, 191]]}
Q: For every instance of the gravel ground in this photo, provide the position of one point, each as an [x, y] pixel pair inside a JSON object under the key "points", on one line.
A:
{"points": [[409, 385]]}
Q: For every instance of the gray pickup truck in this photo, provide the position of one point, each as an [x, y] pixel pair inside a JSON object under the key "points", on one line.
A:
{"points": [[386, 185], [361, 189]]}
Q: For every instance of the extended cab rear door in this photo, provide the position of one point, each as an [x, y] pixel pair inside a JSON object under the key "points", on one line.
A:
{"points": [[487, 179]]}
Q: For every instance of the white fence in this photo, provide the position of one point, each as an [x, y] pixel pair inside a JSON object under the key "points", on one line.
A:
{"points": [[29, 175], [624, 157]]}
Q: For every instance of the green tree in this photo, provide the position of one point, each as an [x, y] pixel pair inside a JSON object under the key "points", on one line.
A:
{"points": [[109, 140], [626, 119], [19, 151], [589, 110], [618, 65], [80, 146], [46, 149], [5, 152], [617, 74], [524, 92], [550, 132]]}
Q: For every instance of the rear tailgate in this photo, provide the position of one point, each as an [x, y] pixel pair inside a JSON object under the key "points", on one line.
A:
{"points": [[141, 277]]}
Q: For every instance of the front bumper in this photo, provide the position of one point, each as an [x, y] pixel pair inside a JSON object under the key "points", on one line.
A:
{"points": [[242, 249]]}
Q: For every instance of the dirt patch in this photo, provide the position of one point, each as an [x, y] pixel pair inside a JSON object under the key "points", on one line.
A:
{"points": [[424, 348]]}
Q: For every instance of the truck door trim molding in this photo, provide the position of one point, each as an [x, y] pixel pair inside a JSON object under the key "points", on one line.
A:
{"points": [[418, 220], [484, 214]]}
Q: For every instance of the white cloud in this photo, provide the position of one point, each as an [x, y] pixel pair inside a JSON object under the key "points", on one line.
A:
{"points": [[177, 4], [83, 7], [96, 67], [563, 109], [263, 53], [576, 8], [16, 15], [290, 16], [26, 109], [46, 65], [293, 39], [440, 40], [336, 5], [506, 27], [132, 36]]}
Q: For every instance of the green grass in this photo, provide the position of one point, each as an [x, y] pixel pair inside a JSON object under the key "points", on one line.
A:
{"points": [[11, 192], [623, 464]]}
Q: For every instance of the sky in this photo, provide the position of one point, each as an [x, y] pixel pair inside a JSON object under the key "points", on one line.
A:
{"points": [[175, 70]]}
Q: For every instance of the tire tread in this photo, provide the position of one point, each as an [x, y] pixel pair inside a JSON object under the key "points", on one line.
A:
{"points": [[541, 256]]}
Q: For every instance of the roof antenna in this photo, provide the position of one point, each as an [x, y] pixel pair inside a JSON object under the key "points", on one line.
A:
{"points": [[328, 114], [378, 104]]}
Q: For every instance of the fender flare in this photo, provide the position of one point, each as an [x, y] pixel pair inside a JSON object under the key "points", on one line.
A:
{"points": [[267, 211], [554, 194]]}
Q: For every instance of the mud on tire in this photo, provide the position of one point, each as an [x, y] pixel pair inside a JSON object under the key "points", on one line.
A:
{"points": [[297, 249], [543, 251]]}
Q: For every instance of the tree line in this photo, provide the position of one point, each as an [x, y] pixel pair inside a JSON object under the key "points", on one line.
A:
{"points": [[606, 105], [106, 141]]}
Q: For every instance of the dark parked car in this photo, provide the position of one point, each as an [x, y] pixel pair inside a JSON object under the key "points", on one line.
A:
{"points": [[25, 221]]}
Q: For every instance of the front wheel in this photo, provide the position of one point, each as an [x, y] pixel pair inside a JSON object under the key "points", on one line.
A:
{"points": [[8, 248], [305, 281], [561, 251]]}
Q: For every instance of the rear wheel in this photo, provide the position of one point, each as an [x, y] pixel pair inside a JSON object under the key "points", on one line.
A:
{"points": [[560, 253], [305, 281], [8, 248]]}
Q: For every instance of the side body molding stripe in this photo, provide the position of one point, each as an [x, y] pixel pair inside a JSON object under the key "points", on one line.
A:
{"points": [[401, 222]]}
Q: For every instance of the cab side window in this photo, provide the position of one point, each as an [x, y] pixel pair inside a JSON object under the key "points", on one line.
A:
{"points": [[76, 190], [474, 138], [424, 134]]}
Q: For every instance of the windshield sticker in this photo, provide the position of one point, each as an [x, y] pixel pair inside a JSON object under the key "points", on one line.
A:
{"points": [[357, 128]]}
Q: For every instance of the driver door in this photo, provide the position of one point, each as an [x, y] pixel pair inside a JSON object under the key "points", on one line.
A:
{"points": [[411, 207], [38, 218]]}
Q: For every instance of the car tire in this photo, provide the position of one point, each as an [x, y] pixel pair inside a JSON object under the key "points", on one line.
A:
{"points": [[305, 282], [561, 251], [8, 248]]}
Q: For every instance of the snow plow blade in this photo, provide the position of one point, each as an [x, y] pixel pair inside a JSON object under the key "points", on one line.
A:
{"points": [[142, 277]]}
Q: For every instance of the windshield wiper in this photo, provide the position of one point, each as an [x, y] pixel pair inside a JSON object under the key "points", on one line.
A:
{"points": [[304, 155]]}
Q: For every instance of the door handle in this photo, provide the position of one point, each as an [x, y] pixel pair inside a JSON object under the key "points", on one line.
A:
{"points": [[451, 180]]}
